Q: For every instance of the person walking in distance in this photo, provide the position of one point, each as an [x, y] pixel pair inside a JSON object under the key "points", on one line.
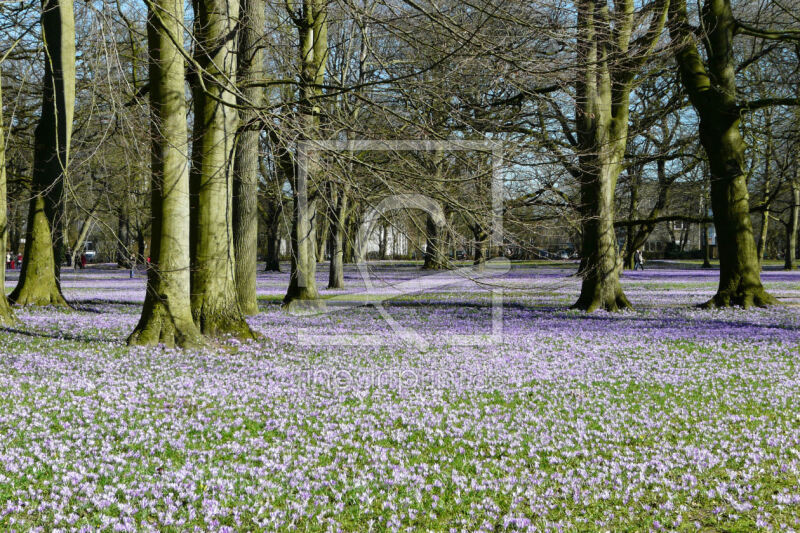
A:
{"points": [[638, 260]]}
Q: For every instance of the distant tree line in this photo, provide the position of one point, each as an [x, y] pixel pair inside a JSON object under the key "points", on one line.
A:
{"points": [[188, 139]]}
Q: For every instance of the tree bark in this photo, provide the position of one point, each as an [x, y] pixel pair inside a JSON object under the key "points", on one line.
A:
{"points": [[790, 262], [715, 104], [123, 238], [215, 306], [762, 241], [602, 90], [245, 178], [434, 254], [167, 314], [6, 314], [301, 295], [481, 236], [44, 247], [323, 231], [336, 272]]}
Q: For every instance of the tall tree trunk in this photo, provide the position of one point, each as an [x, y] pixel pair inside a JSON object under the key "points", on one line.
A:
{"points": [[434, 253], [762, 238], [215, 306], [382, 240], [762, 241], [715, 104], [481, 237], [273, 261], [302, 295], [791, 228], [123, 238], [706, 246], [600, 287], [245, 178], [323, 229], [602, 92], [44, 246], [167, 314], [336, 273], [6, 314], [630, 245]]}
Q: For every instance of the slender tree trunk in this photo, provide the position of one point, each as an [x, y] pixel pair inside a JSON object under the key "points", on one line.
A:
{"points": [[6, 314], [382, 239], [791, 228], [123, 239], [740, 279], [302, 295], [167, 314], [762, 241], [323, 231], [706, 246], [44, 247], [481, 244], [336, 273], [633, 208], [245, 179], [762, 238], [215, 306], [273, 255]]}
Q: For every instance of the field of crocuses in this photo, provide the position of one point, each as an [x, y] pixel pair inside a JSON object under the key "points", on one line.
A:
{"points": [[664, 418]]}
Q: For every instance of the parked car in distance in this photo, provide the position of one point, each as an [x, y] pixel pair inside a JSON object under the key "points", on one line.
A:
{"points": [[89, 251]]}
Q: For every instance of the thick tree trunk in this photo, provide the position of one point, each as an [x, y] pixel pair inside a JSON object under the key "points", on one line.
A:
{"points": [[600, 288], [336, 273], [167, 314], [245, 179], [790, 262], [6, 314], [602, 101], [215, 306], [302, 295], [44, 247], [434, 253], [739, 280]]}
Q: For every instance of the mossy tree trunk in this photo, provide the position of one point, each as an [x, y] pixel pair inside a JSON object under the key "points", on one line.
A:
{"points": [[715, 104], [790, 261], [167, 314], [336, 272], [215, 305], [311, 21], [607, 74], [44, 246], [245, 179], [6, 314]]}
